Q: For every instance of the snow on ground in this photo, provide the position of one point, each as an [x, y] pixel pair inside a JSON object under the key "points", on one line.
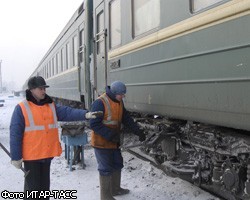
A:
{"points": [[144, 181]]}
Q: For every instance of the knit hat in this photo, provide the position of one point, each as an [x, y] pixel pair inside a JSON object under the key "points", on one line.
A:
{"points": [[37, 82], [118, 88]]}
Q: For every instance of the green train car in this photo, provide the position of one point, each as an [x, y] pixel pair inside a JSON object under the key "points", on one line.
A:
{"points": [[186, 65]]}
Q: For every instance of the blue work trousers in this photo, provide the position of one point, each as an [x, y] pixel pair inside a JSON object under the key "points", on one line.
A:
{"points": [[108, 160]]}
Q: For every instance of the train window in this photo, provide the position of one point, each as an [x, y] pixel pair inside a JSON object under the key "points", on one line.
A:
{"points": [[75, 51], [49, 68], [197, 5], [81, 51], [45, 71], [57, 63], [115, 23], [100, 33], [53, 66], [146, 16], [48, 72], [67, 56], [62, 62]]}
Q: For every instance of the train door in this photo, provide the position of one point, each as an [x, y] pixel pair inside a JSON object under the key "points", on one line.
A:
{"points": [[82, 63], [100, 50]]}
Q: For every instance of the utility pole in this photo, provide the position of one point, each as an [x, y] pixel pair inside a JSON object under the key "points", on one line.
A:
{"points": [[1, 84]]}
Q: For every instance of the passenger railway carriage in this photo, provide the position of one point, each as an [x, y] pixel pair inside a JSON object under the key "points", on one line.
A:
{"points": [[186, 65]]}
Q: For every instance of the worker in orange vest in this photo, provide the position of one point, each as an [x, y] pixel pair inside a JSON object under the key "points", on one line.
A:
{"points": [[34, 138], [105, 138]]}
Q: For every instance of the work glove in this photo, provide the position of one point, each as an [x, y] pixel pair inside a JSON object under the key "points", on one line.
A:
{"points": [[142, 136], [17, 163], [93, 115]]}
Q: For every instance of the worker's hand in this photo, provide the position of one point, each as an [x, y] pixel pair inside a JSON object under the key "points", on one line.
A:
{"points": [[115, 136], [93, 115], [17, 163], [142, 136]]}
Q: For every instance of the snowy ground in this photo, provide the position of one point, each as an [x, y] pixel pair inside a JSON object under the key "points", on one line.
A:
{"points": [[144, 181]]}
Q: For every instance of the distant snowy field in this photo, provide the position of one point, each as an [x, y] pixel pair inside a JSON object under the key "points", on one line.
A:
{"points": [[144, 181]]}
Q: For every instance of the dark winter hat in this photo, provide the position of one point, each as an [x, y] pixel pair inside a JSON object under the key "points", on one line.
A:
{"points": [[118, 87], [36, 82]]}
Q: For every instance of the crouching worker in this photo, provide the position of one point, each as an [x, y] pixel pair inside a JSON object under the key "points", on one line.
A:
{"points": [[34, 138], [105, 138]]}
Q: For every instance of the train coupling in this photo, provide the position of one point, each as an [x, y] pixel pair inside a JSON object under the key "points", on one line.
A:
{"points": [[152, 140]]}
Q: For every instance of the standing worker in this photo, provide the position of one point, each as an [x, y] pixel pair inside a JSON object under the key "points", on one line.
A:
{"points": [[34, 138], [105, 138]]}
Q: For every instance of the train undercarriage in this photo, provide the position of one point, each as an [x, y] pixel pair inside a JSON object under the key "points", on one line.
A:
{"points": [[214, 158]]}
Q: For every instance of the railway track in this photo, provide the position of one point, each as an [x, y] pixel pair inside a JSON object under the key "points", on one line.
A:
{"points": [[158, 166]]}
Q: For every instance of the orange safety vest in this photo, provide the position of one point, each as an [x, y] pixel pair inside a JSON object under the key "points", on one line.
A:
{"points": [[112, 118], [40, 139]]}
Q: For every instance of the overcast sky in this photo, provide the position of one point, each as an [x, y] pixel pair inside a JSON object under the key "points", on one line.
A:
{"points": [[27, 30]]}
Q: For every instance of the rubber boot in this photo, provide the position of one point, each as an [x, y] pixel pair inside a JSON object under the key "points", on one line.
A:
{"points": [[116, 184], [105, 188]]}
